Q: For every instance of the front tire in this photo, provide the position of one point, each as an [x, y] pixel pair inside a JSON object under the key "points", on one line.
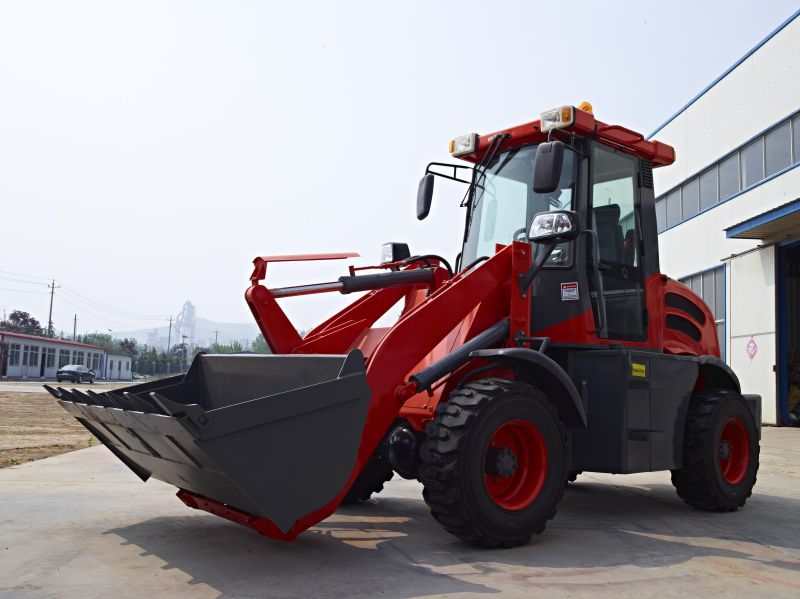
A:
{"points": [[375, 473], [494, 463], [720, 452]]}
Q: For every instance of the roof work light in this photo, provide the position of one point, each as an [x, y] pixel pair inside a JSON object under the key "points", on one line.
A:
{"points": [[463, 145], [557, 118]]}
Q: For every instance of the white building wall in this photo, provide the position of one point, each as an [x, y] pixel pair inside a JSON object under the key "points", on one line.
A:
{"points": [[34, 372], [700, 243], [761, 91], [117, 367], [751, 318]]}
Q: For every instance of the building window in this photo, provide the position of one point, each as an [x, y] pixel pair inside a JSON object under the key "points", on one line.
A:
{"points": [[49, 357], [710, 286], [661, 214], [127, 366], [674, 208], [778, 149], [729, 176], [110, 367], [95, 362], [708, 188], [63, 357], [33, 355], [752, 162], [691, 199], [768, 154], [13, 354], [77, 357]]}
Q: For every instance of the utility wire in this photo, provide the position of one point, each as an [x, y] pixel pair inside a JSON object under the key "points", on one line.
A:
{"points": [[4, 278], [16, 274], [79, 297], [79, 300], [100, 316], [24, 291]]}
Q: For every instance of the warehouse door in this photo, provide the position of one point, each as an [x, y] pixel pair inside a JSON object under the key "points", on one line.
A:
{"points": [[789, 333]]}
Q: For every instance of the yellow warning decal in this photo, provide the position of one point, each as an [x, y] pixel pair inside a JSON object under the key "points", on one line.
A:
{"points": [[639, 370]]}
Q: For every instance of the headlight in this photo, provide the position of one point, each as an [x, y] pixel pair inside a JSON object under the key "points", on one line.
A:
{"points": [[394, 252], [558, 118], [466, 144], [547, 226]]}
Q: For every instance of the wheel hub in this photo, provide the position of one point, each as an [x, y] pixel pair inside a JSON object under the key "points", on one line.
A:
{"points": [[515, 464], [724, 450], [500, 462]]}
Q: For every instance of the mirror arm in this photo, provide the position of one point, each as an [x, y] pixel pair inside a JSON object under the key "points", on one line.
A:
{"points": [[452, 177], [526, 279]]}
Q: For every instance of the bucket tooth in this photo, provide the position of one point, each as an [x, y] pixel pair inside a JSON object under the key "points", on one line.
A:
{"points": [[100, 399], [54, 392], [193, 412]]}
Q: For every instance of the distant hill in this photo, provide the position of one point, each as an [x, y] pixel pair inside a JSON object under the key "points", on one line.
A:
{"points": [[204, 333]]}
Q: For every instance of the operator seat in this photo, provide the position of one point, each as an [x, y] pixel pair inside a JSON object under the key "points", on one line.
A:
{"points": [[609, 232]]}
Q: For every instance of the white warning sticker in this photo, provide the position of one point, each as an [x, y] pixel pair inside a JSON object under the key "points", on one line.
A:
{"points": [[569, 291]]}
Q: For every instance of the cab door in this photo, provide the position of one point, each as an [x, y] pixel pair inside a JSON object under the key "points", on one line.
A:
{"points": [[616, 220]]}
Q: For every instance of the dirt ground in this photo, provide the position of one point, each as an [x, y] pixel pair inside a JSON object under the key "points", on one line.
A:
{"points": [[34, 426]]}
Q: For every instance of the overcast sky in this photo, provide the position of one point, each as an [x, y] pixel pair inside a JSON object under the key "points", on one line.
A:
{"points": [[149, 150]]}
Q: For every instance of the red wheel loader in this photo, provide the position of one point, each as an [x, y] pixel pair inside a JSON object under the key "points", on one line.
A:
{"points": [[553, 346]]}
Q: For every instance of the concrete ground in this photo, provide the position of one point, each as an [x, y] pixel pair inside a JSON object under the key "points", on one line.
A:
{"points": [[81, 525]]}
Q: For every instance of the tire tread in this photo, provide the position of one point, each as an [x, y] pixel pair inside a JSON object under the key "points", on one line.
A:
{"points": [[441, 453]]}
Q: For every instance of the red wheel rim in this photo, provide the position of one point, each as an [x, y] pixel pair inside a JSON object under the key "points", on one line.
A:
{"points": [[515, 465], [734, 451]]}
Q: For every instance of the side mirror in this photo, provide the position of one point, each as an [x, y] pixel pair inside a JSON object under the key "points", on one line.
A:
{"points": [[555, 226], [424, 196], [547, 166]]}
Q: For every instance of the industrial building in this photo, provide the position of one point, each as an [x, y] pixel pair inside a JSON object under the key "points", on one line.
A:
{"points": [[33, 357], [729, 214]]}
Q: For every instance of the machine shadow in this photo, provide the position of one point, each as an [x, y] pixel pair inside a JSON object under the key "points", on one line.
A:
{"points": [[392, 547]]}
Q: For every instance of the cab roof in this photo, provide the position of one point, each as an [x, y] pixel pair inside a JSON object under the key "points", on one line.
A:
{"points": [[584, 124]]}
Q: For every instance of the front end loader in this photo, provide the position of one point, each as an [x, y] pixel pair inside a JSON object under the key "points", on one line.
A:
{"points": [[553, 346]]}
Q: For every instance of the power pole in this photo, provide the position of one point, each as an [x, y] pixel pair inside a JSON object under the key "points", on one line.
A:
{"points": [[185, 351], [53, 288], [169, 336], [75, 327], [216, 337]]}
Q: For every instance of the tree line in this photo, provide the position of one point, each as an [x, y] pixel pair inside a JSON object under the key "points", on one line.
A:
{"points": [[146, 360]]}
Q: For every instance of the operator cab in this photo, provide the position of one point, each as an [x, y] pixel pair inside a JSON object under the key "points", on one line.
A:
{"points": [[596, 280]]}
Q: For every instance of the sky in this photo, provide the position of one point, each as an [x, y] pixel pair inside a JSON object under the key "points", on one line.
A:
{"points": [[150, 150]]}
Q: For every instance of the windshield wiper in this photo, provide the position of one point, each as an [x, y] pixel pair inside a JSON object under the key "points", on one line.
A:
{"points": [[482, 167]]}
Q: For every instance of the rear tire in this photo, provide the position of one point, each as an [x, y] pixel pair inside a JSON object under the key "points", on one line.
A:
{"points": [[720, 452], [494, 463], [375, 473]]}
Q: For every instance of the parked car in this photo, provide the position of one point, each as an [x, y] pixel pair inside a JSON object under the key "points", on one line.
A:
{"points": [[77, 373]]}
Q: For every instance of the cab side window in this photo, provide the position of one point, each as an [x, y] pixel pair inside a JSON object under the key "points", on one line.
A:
{"points": [[615, 219]]}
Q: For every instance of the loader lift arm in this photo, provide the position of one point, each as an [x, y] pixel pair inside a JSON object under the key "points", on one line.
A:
{"points": [[484, 291]]}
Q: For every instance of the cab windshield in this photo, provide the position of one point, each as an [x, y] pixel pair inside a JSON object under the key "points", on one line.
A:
{"points": [[504, 204]]}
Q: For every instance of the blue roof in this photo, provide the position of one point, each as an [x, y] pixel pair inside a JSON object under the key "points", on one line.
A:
{"points": [[754, 228], [726, 73]]}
